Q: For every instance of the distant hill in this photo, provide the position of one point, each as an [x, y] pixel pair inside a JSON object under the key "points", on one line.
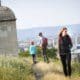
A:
{"points": [[26, 34]]}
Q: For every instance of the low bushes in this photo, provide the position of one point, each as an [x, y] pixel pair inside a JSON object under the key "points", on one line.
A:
{"points": [[50, 52]]}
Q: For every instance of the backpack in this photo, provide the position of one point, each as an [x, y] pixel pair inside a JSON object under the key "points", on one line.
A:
{"points": [[44, 42]]}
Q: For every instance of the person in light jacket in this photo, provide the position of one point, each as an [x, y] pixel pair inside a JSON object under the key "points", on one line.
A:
{"points": [[33, 51]]}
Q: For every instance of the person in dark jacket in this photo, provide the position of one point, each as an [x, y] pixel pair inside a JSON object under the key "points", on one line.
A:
{"points": [[65, 45], [43, 45]]}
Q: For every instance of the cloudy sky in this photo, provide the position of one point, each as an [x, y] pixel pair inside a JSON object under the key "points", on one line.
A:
{"points": [[42, 13]]}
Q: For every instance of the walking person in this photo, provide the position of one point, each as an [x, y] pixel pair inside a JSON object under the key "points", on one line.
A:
{"points": [[33, 51], [43, 45], [65, 45]]}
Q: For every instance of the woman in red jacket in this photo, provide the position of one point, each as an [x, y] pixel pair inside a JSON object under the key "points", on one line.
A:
{"points": [[65, 45]]}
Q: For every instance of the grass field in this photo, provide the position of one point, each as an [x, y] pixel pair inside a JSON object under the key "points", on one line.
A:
{"points": [[16, 68]]}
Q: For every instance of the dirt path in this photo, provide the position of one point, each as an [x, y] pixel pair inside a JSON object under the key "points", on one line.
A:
{"points": [[44, 71]]}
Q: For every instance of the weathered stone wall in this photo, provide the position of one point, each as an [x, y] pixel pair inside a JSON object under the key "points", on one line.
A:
{"points": [[8, 38]]}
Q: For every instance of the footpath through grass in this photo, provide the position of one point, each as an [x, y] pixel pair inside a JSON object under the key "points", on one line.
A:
{"points": [[16, 68], [53, 71]]}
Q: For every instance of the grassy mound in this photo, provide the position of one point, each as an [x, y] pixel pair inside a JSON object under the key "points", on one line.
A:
{"points": [[18, 68], [14, 68]]}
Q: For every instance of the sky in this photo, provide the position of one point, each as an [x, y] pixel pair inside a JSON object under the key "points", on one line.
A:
{"points": [[42, 13]]}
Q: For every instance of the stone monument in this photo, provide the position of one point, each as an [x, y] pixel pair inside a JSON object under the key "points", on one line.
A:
{"points": [[8, 35]]}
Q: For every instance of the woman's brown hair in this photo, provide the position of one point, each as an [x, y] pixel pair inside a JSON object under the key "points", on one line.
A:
{"points": [[60, 34]]}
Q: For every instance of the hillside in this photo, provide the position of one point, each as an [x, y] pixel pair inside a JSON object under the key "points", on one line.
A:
{"points": [[17, 68], [25, 34]]}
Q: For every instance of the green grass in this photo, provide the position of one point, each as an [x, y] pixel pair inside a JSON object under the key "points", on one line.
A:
{"points": [[76, 69], [14, 68], [19, 68]]}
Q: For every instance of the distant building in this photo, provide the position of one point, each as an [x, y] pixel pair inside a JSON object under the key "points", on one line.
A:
{"points": [[8, 36]]}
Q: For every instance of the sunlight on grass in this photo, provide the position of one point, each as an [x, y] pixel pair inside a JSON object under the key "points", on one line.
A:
{"points": [[52, 71], [18, 68], [15, 68], [52, 76]]}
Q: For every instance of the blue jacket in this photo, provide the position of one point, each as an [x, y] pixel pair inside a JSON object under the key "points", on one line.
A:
{"points": [[32, 49]]}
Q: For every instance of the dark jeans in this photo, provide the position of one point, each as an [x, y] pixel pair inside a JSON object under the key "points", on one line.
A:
{"points": [[66, 62], [45, 54], [34, 58]]}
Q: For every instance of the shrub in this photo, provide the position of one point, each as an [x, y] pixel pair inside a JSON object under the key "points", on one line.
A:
{"points": [[39, 51], [24, 54], [50, 52]]}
